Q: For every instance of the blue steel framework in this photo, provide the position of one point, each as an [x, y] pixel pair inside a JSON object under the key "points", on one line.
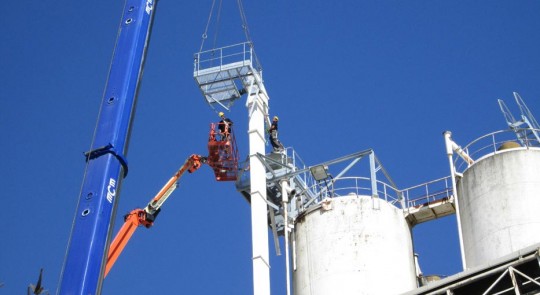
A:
{"points": [[106, 163]]}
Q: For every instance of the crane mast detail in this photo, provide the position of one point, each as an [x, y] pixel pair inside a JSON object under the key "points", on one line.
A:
{"points": [[84, 265]]}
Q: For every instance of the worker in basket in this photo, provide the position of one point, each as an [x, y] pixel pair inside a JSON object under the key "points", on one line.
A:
{"points": [[224, 126]]}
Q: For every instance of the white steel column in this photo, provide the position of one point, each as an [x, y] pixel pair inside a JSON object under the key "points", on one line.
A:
{"points": [[449, 152], [256, 104], [285, 188]]}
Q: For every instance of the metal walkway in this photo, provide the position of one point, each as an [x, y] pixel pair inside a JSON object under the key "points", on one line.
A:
{"points": [[429, 201], [420, 203], [517, 273]]}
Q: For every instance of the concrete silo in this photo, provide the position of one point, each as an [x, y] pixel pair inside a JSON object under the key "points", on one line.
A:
{"points": [[353, 245], [499, 199]]}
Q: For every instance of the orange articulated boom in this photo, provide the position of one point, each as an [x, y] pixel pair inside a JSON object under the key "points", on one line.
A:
{"points": [[131, 222], [147, 215], [193, 163]]}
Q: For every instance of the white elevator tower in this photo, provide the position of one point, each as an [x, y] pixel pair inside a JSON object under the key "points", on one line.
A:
{"points": [[224, 75]]}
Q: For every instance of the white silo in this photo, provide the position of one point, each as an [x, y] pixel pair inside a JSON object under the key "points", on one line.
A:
{"points": [[353, 245], [499, 202]]}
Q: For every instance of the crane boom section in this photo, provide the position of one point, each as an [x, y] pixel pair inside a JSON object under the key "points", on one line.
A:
{"points": [[84, 264]]}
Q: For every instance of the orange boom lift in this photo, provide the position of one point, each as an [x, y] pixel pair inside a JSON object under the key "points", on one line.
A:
{"points": [[147, 215], [223, 158]]}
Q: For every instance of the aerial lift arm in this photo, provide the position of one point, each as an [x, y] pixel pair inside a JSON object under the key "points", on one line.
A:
{"points": [[147, 215]]}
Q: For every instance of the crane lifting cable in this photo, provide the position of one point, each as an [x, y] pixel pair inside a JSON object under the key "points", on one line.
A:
{"points": [[246, 30], [226, 73], [205, 34], [217, 12], [244, 20]]}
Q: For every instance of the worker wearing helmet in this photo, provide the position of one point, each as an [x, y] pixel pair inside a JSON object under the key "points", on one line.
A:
{"points": [[276, 144], [224, 126]]}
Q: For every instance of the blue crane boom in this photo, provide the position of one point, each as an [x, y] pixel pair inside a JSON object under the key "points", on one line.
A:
{"points": [[84, 264]]}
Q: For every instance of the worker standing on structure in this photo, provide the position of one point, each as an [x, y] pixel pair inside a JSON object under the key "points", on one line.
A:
{"points": [[224, 126], [276, 144]]}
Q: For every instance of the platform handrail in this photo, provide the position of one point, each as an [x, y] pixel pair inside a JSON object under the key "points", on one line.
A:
{"points": [[428, 192], [356, 185], [490, 144], [241, 52]]}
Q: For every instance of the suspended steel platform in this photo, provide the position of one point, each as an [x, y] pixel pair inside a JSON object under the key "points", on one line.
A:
{"points": [[225, 74]]}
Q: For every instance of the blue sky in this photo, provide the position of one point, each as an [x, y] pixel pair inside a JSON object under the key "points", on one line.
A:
{"points": [[342, 76]]}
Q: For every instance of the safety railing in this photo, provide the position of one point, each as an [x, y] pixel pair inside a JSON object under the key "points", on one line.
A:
{"points": [[492, 143], [241, 54], [290, 162], [306, 178], [362, 186], [316, 191], [428, 192], [413, 196]]}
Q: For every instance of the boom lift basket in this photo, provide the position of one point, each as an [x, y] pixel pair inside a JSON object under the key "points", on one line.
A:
{"points": [[222, 154]]}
